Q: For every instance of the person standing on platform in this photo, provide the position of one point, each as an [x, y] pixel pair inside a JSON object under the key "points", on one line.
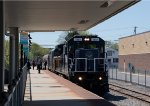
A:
{"points": [[45, 64], [33, 64], [39, 61]]}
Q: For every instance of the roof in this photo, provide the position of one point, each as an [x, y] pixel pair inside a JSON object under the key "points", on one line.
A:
{"points": [[139, 34], [60, 15]]}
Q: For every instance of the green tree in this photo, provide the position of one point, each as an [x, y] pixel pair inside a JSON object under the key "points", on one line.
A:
{"points": [[69, 34], [37, 50], [6, 56], [110, 44]]}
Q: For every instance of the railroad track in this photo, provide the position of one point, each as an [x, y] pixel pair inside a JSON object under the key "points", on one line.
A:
{"points": [[131, 93]]}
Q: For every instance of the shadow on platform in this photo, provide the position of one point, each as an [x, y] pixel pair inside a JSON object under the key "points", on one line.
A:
{"points": [[75, 102]]}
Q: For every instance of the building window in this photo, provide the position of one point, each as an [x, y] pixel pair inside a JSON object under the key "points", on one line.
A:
{"points": [[109, 60], [133, 45], [109, 53], [146, 43], [115, 60]]}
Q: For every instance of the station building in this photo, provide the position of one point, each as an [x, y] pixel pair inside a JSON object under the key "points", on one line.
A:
{"points": [[134, 52]]}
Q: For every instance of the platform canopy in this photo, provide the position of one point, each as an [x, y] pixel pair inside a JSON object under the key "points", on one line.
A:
{"points": [[61, 15]]}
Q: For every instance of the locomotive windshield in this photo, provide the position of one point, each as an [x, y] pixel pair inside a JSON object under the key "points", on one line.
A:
{"points": [[85, 45], [88, 46]]}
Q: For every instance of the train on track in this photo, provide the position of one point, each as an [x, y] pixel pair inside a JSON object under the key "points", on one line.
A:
{"points": [[81, 59]]}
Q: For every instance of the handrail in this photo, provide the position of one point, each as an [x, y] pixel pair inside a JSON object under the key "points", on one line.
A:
{"points": [[15, 94]]}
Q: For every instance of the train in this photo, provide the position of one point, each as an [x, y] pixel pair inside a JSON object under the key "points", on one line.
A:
{"points": [[81, 59]]}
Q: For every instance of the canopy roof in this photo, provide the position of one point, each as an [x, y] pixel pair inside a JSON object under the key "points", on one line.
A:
{"points": [[61, 15]]}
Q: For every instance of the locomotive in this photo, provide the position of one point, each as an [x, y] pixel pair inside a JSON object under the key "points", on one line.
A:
{"points": [[81, 59]]}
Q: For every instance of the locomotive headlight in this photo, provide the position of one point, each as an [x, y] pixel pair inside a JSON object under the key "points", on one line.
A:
{"points": [[86, 39], [100, 78], [80, 78]]}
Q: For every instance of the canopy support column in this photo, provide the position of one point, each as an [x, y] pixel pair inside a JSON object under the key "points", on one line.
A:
{"points": [[2, 46]]}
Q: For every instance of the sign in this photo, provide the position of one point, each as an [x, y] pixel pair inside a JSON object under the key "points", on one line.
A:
{"points": [[94, 39], [77, 39], [23, 38], [26, 49]]}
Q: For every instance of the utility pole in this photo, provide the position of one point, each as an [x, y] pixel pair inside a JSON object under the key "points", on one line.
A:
{"points": [[135, 30]]}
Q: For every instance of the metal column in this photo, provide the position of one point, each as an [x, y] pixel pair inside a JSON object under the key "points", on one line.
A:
{"points": [[21, 57], [17, 50], [1, 47], [14, 49], [12, 58]]}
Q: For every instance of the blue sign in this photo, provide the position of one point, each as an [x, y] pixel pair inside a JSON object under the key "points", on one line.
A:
{"points": [[23, 39], [26, 49]]}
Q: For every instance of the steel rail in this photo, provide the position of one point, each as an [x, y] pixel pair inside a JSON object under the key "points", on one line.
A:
{"points": [[126, 91]]}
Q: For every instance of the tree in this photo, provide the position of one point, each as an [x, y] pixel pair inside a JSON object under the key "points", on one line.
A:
{"points": [[110, 44], [6, 56], [37, 50], [69, 34]]}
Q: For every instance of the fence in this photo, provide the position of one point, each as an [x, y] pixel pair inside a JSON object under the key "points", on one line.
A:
{"points": [[140, 77], [15, 93]]}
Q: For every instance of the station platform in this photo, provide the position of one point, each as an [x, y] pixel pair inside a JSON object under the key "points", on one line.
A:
{"points": [[49, 89]]}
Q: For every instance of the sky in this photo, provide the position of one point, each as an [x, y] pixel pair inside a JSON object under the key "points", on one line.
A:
{"points": [[118, 26]]}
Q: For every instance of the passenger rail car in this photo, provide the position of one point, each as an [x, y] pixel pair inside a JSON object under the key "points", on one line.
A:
{"points": [[82, 60]]}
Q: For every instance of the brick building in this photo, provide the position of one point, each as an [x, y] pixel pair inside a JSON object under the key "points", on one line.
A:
{"points": [[134, 52]]}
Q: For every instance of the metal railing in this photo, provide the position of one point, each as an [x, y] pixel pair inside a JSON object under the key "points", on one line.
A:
{"points": [[140, 77], [15, 93]]}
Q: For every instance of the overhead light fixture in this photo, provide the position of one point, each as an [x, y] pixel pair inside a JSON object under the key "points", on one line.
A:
{"points": [[107, 4], [7, 33], [83, 21]]}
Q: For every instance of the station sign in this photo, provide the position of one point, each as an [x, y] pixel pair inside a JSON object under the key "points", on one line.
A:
{"points": [[24, 38], [26, 49]]}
